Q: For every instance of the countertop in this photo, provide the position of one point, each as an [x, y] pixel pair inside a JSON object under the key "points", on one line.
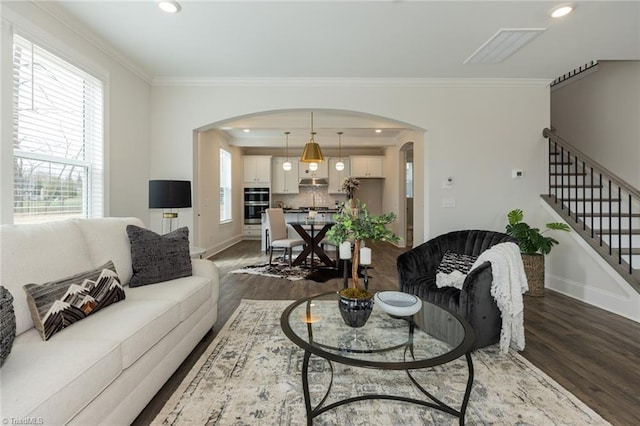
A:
{"points": [[320, 210]]}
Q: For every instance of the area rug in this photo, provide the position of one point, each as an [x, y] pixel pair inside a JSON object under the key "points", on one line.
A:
{"points": [[251, 374], [275, 270], [281, 269]]}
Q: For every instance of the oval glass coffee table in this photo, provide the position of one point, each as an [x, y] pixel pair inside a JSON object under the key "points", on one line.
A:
{"points": [[433, 336]]}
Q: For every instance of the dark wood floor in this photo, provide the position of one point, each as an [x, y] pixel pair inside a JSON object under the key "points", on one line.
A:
{"points": [[591, 352]]}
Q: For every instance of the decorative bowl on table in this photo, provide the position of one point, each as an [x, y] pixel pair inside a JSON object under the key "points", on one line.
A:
{"points": [[397, 303]]}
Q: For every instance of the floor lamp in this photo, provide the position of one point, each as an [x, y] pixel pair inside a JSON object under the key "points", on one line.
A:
{"points": [[169, 194]]}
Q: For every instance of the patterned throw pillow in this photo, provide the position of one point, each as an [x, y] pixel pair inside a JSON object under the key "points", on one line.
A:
{"points": [[156, 258], [7, 324], [456, 262], [58, 304]]}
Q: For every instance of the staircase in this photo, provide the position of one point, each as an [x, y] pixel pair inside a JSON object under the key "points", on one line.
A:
{"points": [[600, 206]]}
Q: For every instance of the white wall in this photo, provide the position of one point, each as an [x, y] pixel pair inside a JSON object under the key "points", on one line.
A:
{"points": [[599, 114], [209, 233], [477, 131], [126, 108], [575, 269]]}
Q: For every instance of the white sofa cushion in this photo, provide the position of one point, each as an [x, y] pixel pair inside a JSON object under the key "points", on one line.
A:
{"points": [[189, 292], [38, 254], [107, 239], [136, 324], [56, 379]]}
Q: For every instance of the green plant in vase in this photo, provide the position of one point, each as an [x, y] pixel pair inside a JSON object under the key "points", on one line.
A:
{"points": [[530, 240], [356, 224], [533, 247]]}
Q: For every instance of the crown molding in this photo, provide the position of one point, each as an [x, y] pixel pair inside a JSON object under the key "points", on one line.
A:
{"points": [[80, 29], [350, 82]]}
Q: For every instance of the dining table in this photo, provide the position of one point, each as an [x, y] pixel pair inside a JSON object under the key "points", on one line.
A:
{"points": [[312, 232]]}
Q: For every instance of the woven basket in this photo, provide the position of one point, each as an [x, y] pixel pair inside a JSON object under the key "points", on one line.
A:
{"points": [[534, 270]]}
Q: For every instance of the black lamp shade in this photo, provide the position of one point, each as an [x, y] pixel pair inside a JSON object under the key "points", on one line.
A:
{"points": [[169, 194]]}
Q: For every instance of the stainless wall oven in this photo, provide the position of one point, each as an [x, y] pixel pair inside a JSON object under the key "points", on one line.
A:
{"points": [[256, 201]]}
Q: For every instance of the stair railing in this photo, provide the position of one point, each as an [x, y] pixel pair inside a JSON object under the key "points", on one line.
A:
{"points": [[566, 161]]}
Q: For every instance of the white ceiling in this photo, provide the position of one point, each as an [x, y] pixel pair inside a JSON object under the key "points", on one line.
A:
{"points": [[375, 39]]}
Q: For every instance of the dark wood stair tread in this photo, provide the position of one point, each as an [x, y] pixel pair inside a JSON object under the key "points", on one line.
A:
{"points": [[605, 214], [626, 251], [576, 186], [568, 173], [617, 231], [614, 200]]}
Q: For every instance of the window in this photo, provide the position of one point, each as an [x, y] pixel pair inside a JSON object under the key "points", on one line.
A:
{"points": [[57, 137], [225, 185], [409, 182]]}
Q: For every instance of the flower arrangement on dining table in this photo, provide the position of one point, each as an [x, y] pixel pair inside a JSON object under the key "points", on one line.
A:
{"points": [[350, 185], [355, 224]]}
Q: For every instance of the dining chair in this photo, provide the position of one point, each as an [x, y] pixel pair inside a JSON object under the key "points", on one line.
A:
{"points": [[278, 236]]}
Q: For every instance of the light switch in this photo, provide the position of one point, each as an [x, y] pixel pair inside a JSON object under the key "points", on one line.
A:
{"points": [[448, 203]]}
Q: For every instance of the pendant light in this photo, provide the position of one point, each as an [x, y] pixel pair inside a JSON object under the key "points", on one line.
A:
{"points": [[286, 166], [339, 164], [312, 152]]}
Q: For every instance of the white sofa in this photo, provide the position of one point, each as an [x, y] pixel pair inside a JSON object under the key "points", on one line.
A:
{"points": [[107, 367]]}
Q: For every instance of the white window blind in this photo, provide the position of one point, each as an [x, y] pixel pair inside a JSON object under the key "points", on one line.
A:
{"points": [[225, 185], [57, 137]]}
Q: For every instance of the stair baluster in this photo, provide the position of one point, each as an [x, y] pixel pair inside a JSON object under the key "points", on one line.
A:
{"points": [[581, 204]]}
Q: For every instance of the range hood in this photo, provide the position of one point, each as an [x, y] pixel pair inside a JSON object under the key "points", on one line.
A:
{"points": [[314, 182]]}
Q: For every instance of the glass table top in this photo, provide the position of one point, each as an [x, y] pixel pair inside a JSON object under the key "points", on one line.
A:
{"points": [[431, 337]]}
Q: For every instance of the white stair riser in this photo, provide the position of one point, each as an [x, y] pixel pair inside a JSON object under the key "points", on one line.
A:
{"points": [[595, 207], [599, 223], [574, 193], [635, 241], [635, 259]]}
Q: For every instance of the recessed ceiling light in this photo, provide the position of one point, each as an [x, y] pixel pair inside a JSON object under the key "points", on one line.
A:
{"points": [[560, 11], [246, 130], [169, 6], [378, 131]]}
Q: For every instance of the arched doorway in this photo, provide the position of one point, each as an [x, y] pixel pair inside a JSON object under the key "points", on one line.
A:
{"points": [[363, 134]]}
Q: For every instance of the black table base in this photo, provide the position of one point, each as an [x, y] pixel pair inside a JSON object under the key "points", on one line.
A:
{"points": [[432, 401]]}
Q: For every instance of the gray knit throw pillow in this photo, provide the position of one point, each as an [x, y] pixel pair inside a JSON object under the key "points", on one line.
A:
{"points": [[7, 324], [156, 258]]}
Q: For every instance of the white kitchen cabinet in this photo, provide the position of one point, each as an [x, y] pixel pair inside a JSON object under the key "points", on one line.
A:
{"points": [[367, 166], [336, 177], [322, 172], [284, 182], [257, 168], [252, 232]]}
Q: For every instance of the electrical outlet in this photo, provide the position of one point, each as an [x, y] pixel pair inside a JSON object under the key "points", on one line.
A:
{"points": [[517, 174]]}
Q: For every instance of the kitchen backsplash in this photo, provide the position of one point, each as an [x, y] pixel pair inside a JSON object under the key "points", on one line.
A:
{"points": [[306, 198]]}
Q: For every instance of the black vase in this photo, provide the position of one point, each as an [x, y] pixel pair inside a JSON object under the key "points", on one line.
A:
{"points": [[355, 312]]}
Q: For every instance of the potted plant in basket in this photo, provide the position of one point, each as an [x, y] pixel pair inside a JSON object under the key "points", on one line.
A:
{"points": [[356, 224], [533, 246]]}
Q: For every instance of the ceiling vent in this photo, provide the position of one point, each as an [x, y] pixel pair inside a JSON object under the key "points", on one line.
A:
{"points": [[503, 44]]}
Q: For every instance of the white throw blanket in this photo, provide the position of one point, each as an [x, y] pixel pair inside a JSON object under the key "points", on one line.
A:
{"points": [[509, 283]]}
